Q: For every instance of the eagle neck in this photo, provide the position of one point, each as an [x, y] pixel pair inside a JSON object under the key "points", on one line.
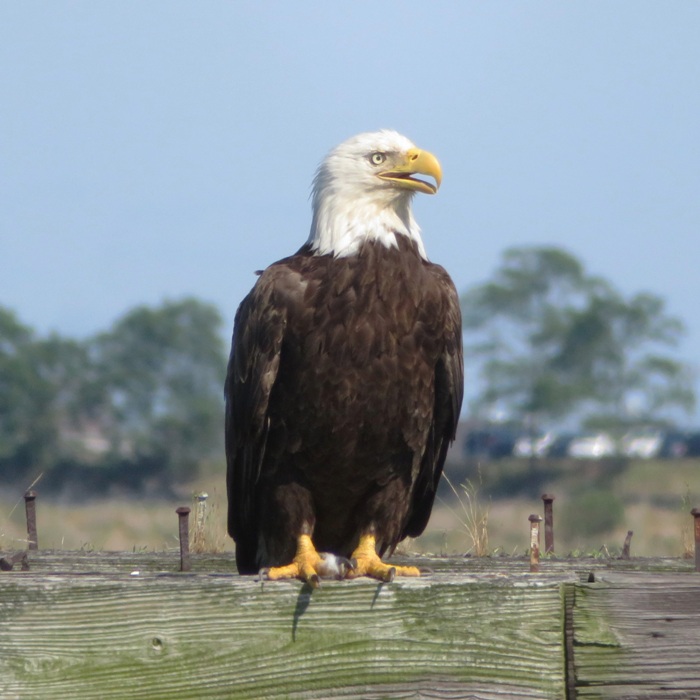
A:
{"points": [[340, 227]]}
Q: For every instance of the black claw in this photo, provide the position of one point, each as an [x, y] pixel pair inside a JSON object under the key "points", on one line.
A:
{"points": [[344, 566], [426, 570], [314, 581], [262, 574], [389, 577]]}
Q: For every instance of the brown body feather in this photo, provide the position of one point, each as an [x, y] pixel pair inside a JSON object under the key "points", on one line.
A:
{"points": [[343, 392]]}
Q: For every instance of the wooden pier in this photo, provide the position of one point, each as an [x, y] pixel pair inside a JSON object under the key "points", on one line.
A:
{"points": [[130, 625]]}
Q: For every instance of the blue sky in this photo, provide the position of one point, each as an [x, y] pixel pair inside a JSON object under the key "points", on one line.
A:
{"points": [[161, 149]]}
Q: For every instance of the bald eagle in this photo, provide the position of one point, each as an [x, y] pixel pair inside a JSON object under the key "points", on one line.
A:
{"points": [[344, 382]]}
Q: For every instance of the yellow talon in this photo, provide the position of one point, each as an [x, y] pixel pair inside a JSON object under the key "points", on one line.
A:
{"points": [[308, 565], [367, 562]]}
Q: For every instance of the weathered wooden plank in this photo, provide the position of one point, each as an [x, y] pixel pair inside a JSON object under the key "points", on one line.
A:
{"points": [[480, 628], [637, 635], [81, 562], [221, 636]]}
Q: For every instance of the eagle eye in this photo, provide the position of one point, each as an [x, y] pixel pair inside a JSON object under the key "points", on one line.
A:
{"points": [[377, 158]]}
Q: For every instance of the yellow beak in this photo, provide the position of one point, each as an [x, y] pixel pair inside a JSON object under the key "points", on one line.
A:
{"points": [[416, 162]]}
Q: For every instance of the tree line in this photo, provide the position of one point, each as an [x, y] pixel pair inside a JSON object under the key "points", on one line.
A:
{"points": [[143, 400], [554, 343]]}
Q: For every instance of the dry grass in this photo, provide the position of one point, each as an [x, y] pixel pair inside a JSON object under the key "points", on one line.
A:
{"points": [[472, 515], [658, 531], [447, 535], [124, 524], [657, 498]]}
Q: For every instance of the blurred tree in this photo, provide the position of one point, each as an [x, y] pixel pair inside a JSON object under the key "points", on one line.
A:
{"points": [[162, 371], [556, 341], [145, 398], [26, 430], [40, 393]]}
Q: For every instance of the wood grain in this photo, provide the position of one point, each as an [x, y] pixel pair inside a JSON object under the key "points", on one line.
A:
{"points": [[637, 635], [205, 635], [126, 625]]}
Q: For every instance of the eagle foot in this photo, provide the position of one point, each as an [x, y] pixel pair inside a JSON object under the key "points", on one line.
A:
{"points": [[366, 562], [309, 565]]}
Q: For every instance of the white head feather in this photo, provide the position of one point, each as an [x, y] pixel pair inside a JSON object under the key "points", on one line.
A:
{"points": [[352, 204]]}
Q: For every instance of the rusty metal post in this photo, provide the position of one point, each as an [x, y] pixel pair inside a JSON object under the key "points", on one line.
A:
{"points": [[183, 513], [535, 521], [548, 523], [626, 546], [30, 508], [696, 515]]}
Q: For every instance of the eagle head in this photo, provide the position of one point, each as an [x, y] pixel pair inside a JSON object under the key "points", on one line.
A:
{"points": [[363, 191]]}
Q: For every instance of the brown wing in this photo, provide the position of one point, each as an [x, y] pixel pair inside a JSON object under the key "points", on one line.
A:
{"points": [[252, 370], [449, 387]]}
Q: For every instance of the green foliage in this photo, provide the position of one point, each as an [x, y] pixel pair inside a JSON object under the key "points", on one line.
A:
{"points": [[555, 340], [143, 398], [592, 512], [162, 371], [37, 378]]}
